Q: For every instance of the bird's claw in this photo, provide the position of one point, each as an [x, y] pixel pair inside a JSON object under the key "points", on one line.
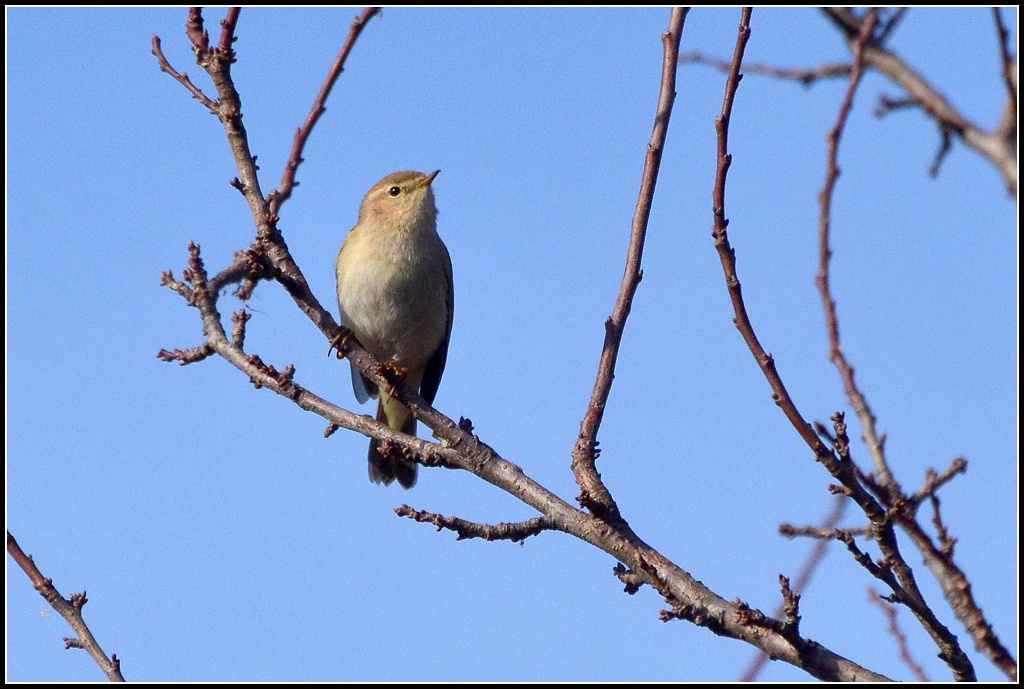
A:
{"points": [[341, 337]]}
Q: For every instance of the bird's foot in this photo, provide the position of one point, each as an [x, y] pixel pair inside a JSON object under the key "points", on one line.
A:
{"points": [[341, 337], [391, 371]]}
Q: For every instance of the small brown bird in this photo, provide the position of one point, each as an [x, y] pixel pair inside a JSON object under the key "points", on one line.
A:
{"points": [[395, 294]]}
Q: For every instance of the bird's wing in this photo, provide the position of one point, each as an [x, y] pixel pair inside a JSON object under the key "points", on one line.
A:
{"points": [[435, 365]]}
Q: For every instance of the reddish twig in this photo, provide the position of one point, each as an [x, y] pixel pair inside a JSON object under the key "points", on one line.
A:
{"points": [[70, 610], [890, 612], [728, 257], [182, 78], [284, 191], [902, 580], [227, 33], [954, 583], [593, 493], [857, 399]]}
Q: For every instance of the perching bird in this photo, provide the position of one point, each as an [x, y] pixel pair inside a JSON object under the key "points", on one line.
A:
{"points": [[395, 295]]}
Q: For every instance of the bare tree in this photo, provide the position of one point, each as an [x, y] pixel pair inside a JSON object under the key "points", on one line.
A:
{"points": [[891, 515]]}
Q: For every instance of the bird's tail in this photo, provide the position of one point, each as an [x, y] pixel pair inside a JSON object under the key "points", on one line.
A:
{"points": [[385, 468]]}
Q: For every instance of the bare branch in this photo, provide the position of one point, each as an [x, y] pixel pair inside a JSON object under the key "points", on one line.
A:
{"points": [[821, 532], [183, 79], [70, 610], [889, 610], [887, 26], [993, 147], [516, 532], [951, 578], [1009, 62], [186, 356], [284, 191], [857, 399], [935, 481], [227, 34], [806, 77], [841, 467], [457, 446], [593, 493]]}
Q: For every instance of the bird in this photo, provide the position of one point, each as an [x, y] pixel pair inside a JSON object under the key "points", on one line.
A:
{"points": [[395, 293]]}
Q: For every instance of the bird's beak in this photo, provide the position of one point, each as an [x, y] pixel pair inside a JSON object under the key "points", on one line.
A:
{"points": [[429, 178]]}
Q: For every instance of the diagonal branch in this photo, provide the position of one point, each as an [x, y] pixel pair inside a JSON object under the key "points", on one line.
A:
{"points": [[832, 70], [70, 610], [284, 191], [889, 610], [955, 585], [993, 147], [728, 258]]}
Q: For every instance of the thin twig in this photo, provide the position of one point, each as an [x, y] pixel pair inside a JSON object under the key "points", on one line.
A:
{"points": [[728, 258], [934, 481], [887, 26], [902, 581], [826, 535], [890, 612], [593, 493], [833, 70], [284, 191], [227, 33], [1008, 61], [182, 78], [857, 399], [820, 532], [954, 583], [70, 610]]}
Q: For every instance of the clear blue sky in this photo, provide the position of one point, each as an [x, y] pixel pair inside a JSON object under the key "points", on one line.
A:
{"points": [[221, 537]]}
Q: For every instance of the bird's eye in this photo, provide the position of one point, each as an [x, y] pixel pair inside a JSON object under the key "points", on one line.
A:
{"points": [[394, 191]]}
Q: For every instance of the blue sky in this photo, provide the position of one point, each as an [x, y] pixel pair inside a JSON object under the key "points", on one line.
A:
{"points": [[221, 537]]}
